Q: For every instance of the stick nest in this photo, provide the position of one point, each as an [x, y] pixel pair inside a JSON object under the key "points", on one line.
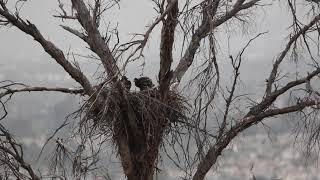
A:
{"points": [[112, 112]]}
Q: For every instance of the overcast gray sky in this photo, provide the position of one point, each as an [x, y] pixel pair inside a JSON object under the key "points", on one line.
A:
{"points": [[23, 60]]}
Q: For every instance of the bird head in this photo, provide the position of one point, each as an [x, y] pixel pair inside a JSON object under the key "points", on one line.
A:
{"points": [[124, 78]]}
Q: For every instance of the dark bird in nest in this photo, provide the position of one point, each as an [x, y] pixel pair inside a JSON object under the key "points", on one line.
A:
{"points": [[126, 83], [143, 83], [315, 1]]}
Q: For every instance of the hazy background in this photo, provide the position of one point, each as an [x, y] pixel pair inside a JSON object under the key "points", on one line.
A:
{"points": [[33, 116]]}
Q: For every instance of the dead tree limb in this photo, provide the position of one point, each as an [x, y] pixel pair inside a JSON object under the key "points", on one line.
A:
{"points": [[48, 46], [166, 47], [95, 40], [208, 24]]}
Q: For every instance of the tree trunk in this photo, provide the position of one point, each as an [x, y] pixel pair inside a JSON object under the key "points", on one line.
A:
{"points": [[137, 154], [143, 168]]}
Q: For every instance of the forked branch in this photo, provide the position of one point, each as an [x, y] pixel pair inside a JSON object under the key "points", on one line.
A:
{"points": [[95, 39]]}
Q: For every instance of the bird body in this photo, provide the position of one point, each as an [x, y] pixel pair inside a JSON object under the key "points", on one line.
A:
{"points": [[316, 1], [143, 83], [125, 82]]}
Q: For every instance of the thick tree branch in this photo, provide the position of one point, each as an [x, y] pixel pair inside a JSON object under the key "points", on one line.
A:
{"points": [[245, 123], [216, 150], [268, 100], [278, 61], [48, 46], [166, 47], [255, 115], [37, 89], [94, 39], [207, 25], [238, 6], [260, 111]]}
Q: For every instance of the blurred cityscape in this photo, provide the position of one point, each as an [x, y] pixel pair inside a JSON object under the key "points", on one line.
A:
{"points": [[261, 157]]}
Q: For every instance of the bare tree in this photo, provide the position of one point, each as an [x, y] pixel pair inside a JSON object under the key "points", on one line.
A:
{"points": [[143, 123]]}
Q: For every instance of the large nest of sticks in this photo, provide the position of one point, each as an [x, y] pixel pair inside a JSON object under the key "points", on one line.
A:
{"points": [[116, 109]]}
